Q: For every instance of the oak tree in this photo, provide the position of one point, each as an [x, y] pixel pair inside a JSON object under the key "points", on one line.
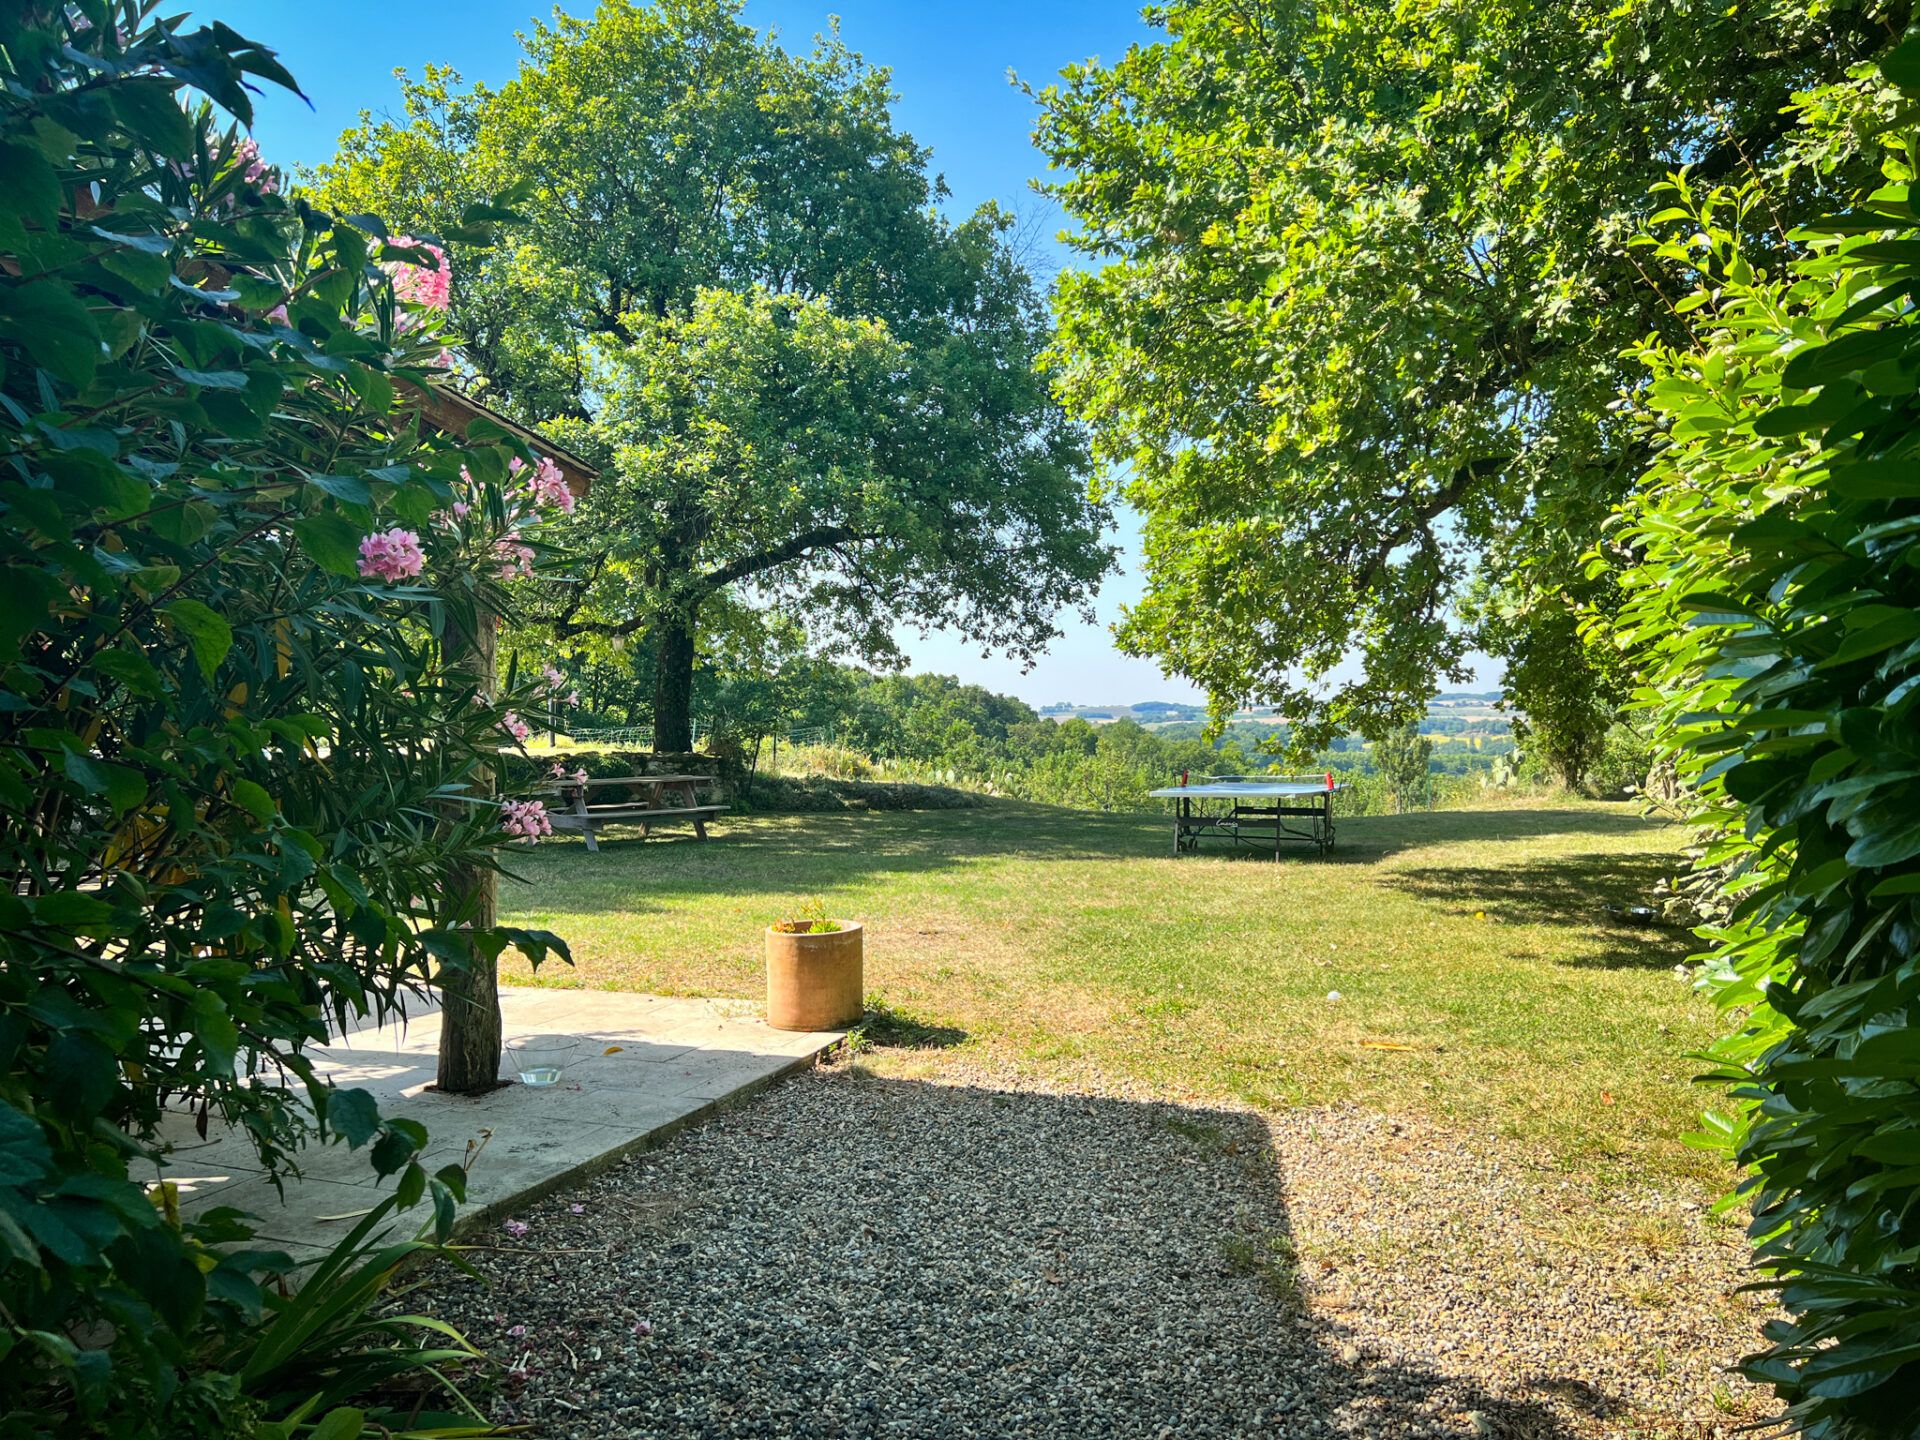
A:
{"points": [[1357, 299], [738, 293]]}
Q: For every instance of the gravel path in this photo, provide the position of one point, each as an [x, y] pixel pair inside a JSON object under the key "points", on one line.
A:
{"points": [[850, 1257]]}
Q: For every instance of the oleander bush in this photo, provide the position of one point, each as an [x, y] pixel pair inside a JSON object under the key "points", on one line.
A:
{"points": [[1776, 600], [243, 756]]}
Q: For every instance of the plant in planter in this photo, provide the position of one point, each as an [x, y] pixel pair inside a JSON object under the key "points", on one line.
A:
{"points": [[815, 971]]}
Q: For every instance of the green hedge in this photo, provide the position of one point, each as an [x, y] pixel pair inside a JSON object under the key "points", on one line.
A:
{"points": [[1777, 604]]}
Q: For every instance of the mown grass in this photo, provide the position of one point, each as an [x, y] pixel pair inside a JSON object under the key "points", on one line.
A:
{"points": [[1072, 945]]}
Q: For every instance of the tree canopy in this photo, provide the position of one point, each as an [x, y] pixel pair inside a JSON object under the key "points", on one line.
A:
{"points": [[1359, 301], [736, 292]]}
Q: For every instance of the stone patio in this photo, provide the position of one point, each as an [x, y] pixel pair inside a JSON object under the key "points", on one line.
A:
{"points": [[643, 1067]]}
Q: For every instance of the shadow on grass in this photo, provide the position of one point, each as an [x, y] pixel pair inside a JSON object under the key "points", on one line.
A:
{"points": [[1041, 1265], [817, 853], [896, 1030], [1571, 891]]}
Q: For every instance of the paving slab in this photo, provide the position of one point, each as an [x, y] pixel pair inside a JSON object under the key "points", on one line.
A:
{"points": [[641, 1067]]}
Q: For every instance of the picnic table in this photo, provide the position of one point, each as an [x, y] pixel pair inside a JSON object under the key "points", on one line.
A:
{"points": [[1253, 811], [667, 797]]}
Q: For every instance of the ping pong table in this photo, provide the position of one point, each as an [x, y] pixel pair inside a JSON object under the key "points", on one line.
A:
{"points": [[1254, 812]]}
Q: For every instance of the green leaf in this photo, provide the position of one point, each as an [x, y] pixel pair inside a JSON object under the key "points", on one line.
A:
{"points": [[216, 1031], [83, 1072], [374, 389], [213, 379], [332, 541], [391, 1151], [27, 595], [412, 1186], [346, 1423], [209, 635], [97, 483], [131, 669], [354, 1115], [1875, 479], [54, 327], [70, 910], [123, 787], [350, 489], [24, 1156], [1817, 364], [151, 111], [29, 183], [252, 798]]}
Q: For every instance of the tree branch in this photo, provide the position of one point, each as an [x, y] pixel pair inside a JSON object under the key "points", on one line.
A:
{"points": [[780, 554]]}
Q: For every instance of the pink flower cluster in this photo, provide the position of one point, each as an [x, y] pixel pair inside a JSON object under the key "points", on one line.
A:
{"points": [[418, 284], [547, 485], [256, 174], [565, 776], [391, 555], [515, 557], [524, 820], [515, 726], [556, 685]]}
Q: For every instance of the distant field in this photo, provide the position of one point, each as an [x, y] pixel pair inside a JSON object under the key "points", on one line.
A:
{"points": [[1480, 981]]}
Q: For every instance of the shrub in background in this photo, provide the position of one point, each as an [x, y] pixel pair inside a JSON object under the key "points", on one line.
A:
{"points": [[1776, 605], [239, 756]]}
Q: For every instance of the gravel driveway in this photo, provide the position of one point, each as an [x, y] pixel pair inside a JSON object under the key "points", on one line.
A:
{"points": [[853, 1256]]}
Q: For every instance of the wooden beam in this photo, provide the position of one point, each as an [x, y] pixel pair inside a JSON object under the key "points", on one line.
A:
{"points": [[450, 412]]}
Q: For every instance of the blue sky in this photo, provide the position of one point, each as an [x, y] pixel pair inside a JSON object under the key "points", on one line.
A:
{"points": [[949, 61]]}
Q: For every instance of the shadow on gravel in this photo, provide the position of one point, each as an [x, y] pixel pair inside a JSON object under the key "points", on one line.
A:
{"points": [[859, 1257], [1572, 891]]}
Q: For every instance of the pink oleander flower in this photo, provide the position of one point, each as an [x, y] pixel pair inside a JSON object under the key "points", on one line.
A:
{"points": [[573, 697], [549, 487], [431, 286], [278, 315], [446, 519], [559, 771], [391, 555], [516, 1228], [515, 557], [552, 676], [444, 360], [524, 820], [515, 726], [256, 174]]}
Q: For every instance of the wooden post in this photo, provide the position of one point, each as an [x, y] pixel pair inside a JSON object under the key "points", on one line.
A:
{"points": [[470, 997]]}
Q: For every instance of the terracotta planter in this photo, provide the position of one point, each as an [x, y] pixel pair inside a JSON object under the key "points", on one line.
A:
{"points": [[815, 982]]}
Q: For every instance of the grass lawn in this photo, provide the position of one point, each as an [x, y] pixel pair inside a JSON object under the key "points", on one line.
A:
{"points": [[1480, 982]]}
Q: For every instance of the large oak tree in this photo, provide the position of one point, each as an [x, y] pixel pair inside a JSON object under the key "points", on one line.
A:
{"points": [[1358, 301], [737, 292]]}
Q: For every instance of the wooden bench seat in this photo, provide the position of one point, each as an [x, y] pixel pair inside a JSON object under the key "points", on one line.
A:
{"points": [[574, 813], [632, 812]]}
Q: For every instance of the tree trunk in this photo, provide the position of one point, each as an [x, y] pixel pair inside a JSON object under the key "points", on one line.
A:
{"points": [[673, 685], [470, 995]]}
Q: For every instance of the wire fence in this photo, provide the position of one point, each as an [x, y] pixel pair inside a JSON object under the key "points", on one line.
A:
{"points": [[641, 736]]}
